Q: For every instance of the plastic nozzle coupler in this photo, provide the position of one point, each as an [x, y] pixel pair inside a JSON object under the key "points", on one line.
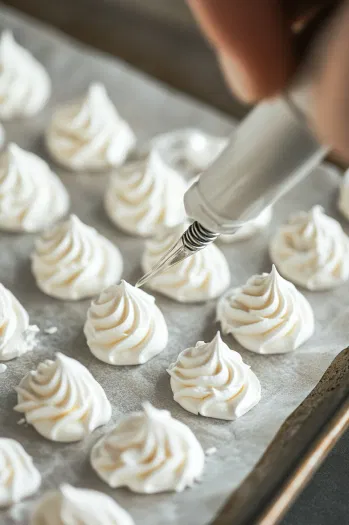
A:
{"points": [[270, 152]]}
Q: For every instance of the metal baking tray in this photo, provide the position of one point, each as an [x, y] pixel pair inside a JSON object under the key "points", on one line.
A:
{"points": [[265, 458]]}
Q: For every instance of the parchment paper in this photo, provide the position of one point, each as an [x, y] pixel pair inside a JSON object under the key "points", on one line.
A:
{"points": [[286, 380]]}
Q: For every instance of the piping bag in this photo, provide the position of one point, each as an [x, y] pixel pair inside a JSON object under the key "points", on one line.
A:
{"points": [[271, 151]]}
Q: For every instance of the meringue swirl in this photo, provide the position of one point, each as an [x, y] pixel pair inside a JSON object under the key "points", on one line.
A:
{"points": [[14, 321], [312, 250], [212, 380], [250, 229], [18, 476], [124, 326], [188, 151], [73, 261], [31, 195], [145, 195], [204, 275], [267, 315], [149, 452], [25, 85], [89, 134], [69, 505], [62, 400]]}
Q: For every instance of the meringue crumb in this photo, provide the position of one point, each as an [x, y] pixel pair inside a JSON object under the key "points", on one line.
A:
{"points": [[3, 368], [30, 337], [21, 421], [210, 451], [51, 330]]}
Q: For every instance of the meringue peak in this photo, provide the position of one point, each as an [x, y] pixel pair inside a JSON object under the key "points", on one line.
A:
{"points": [[267, 314], [165, 453], [124, 326], [212, 380]]}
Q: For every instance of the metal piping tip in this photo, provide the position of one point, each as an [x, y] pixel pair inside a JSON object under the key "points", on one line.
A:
{"points": [[175, 255], [195, 238]]}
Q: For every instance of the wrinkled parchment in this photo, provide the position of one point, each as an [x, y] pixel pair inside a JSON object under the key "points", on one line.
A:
{"points": [[286, 380]]}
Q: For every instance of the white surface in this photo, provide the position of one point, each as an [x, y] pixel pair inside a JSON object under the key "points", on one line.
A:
{"points": [[149, 452], [124, 326], [212, 380], [31, 195], [267, 314], [285, 379]]}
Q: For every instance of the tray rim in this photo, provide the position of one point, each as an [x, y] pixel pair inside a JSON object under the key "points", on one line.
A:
{"points": [[315, 426]]}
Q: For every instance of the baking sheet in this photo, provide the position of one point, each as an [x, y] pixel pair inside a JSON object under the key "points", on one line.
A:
{"points": [[286, 380]]}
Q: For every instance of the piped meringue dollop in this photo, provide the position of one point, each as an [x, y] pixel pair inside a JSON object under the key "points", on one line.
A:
{"points": [[73, 261], [89, 134], [145, 195], [267, 315], [202, 276], [18, 476], [31, 195], [312, 250], [250, 229], [124, 326], [343, 200], [149, 452], [212, 380], [14, 322], [62, 400], [72, 506], [25, 85], [188, 151]]}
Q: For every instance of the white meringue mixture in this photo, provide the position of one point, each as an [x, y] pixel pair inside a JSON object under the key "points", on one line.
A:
{"points": [[19, 478], [145, 195], [89, 134], [312, 250], [203, 276], [212, 380], [62, 400], [267, 315], [149, 452], [31, 195], [188, 151], [73, 261], [124, 326], [25, 85], [72, 506], [14, 323]]}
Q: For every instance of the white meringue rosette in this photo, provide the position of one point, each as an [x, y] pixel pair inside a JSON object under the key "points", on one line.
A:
{"points": [[343, 199], [89, 134], [212, 380], [70, 505], [312, 250], [149, 452], [203, 276], [73, 261], [188, 151], [14, 322], [19, 478], [62, 400], [124, 326], [267, 315], [25, 85], [145, 195], [31, 195], [250, 229]]}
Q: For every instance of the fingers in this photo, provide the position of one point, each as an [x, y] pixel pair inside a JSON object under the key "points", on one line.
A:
{"points": [[331, 88], [253, 42]]}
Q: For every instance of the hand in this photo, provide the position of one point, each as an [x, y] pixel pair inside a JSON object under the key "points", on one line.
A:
{"points": [[257, 44]]}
